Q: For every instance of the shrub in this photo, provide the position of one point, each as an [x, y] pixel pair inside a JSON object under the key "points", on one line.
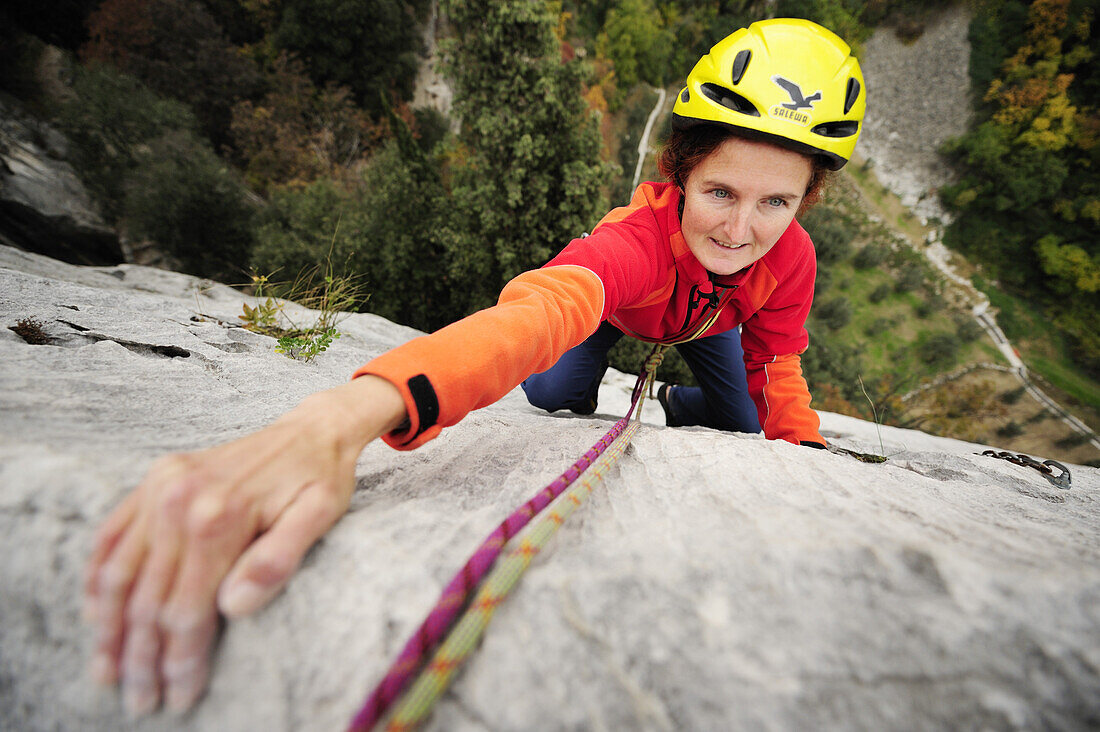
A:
{"points": [[393, 230], [109, 120], [880, 293], [870, 256], [635, 38], [370, 46], [298, 133], [968, 329], [835, 313], [1070, 441], [1013, 396], [830, 362], [938, 349], [832, 233], [823, 282], [177, 49], [1038, 416], [877, 326], [909, 278], [1011, 429], [184, 198], [301, 229]]}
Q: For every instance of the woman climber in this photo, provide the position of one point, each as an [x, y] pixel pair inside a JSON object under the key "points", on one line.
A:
{"points": [[763, 118]]}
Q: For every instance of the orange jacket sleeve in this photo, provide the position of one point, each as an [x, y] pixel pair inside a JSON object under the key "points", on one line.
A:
{"points": [[783, 400], [474, 362], [773, 338]]}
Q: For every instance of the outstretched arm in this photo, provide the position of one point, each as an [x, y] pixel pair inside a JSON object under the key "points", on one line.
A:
{"points": [[221, 529]]}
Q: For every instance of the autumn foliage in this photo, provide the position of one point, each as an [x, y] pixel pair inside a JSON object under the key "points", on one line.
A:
{"points": [[1028, 202]]}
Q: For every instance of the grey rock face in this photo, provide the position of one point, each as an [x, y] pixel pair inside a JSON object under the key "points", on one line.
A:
{"points": [[44, 208], [712, 582], [918, 97]]}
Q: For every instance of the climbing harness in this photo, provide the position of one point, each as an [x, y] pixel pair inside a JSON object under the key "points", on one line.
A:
{"points": [[1061, 480], [434, 678]]}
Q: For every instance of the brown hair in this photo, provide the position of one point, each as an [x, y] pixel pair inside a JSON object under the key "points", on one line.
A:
{"points": [[687, 148]]}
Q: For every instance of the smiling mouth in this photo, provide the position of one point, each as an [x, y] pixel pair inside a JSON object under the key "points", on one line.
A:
{"points": [[731, 247]]}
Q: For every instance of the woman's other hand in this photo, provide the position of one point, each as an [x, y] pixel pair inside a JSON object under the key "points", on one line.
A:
{"points": [[221, 529]]}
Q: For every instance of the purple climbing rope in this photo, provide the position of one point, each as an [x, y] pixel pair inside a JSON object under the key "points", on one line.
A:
{"points": [[458, 590]]}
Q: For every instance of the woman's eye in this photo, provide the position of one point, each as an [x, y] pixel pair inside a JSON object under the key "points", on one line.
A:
{"points": [[777, 202], [719, 193]]}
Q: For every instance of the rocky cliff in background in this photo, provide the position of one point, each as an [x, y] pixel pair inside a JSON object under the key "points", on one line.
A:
{"points": [[44, 207], [918, 97], [713, 582]]}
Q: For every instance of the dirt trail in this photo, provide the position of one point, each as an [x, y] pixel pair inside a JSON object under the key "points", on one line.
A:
{"points": [[906, 124]]}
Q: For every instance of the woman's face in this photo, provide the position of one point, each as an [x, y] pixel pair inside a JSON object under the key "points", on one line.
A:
{"points": [[740, 200]]}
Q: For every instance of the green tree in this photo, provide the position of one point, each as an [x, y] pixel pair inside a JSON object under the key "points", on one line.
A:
{"points": [[297, 133], [109, 120], [369, 46], [526, 171], [390, 232], [184, 198], [842, 17], [405, 256], [636, 40], [1028, 199], [177, 49], [300, 229]]}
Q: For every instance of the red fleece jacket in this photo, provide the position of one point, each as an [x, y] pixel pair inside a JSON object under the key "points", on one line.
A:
{"points": [[637, 272]]}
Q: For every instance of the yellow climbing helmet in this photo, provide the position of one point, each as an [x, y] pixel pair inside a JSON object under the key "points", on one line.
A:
{"points": [[787, 81]]}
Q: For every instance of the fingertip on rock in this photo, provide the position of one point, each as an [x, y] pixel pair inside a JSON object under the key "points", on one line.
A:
{"points": [[138, 701], [244, 597], [103, 670], [181, 697]]}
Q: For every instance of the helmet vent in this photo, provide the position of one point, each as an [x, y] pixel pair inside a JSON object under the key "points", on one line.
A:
{"points": [[685, 97], [845, 128], [851, 95], [740, 63], [729, 99]]}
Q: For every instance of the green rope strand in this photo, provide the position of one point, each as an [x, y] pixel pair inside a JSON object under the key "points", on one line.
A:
{"points": [[418, 701]]}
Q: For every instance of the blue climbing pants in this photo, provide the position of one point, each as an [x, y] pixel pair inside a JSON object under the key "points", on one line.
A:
{"points": [[721, 400]]}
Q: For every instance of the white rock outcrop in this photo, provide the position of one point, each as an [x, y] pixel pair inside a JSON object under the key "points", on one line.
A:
{"points": [[713, 582], [918, 98]]}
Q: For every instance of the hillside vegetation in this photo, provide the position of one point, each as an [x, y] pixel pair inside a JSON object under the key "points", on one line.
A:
{"points": [[273, 138]]}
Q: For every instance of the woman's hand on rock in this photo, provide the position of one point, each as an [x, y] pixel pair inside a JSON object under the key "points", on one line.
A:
{"points": [[221, 529]]}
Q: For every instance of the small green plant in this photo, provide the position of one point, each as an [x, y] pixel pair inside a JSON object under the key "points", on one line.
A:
{"points": [[318, 288], [264, 317], [305, 347]]}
